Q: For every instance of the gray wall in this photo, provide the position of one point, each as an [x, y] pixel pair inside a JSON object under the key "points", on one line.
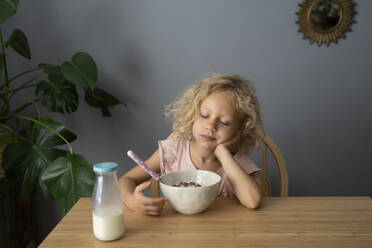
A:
{"points": [[315, 100]]}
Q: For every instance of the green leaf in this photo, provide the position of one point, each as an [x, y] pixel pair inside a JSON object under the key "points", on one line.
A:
{"points": [[69, 178], [18, 41], [14, 156], [45, 190], [101, 99], [7, 10], [81, 71], [53, 71], [44, 137], [16, 3], [22, 157], [50, 69], [56, 77], [5, 139], [58, 96], [34, 156], [1, 66]]}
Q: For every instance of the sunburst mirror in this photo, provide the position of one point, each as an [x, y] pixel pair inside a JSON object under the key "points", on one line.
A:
{"points": [[325, 21]]}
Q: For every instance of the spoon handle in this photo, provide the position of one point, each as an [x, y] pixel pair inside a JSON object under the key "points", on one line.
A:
{"points": [[139, 161]]}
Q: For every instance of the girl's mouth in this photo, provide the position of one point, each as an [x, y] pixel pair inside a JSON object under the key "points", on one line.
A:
{"points": [[207, 137]]}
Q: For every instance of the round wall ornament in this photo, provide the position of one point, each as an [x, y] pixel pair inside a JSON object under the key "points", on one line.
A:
{"points": [[325, 21]]}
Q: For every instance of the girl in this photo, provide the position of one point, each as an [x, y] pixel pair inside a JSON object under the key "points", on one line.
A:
{"points": [[215, 124]]}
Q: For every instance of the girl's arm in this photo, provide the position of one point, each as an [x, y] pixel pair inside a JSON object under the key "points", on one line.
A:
{"points": [[245, 187], [133, 184]]}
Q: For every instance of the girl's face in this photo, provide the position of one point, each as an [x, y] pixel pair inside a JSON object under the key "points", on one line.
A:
{"points": [[216, 121]]}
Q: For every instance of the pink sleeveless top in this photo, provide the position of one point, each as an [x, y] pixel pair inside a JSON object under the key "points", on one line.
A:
{"points": [[175, 156]]}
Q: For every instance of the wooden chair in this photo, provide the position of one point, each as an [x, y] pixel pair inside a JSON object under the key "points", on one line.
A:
{"points": [[266, 144], [261, 178]]}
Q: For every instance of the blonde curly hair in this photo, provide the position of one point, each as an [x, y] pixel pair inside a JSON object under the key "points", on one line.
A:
{"points": [[182, 111]]}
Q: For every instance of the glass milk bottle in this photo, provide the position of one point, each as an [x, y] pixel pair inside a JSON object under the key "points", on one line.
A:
{"points": [[107, 203]]}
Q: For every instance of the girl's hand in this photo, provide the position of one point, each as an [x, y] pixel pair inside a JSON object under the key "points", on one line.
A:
{"points": [[231, 145], [147, 205]]}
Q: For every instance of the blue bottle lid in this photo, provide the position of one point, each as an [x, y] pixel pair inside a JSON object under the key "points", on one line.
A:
{"points": [[105, 167]]}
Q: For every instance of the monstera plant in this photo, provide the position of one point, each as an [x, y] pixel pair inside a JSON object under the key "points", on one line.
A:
{"points": [[32, 144]]}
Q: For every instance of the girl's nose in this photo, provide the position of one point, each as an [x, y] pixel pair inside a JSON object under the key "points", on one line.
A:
{"points": [[211, 126]]}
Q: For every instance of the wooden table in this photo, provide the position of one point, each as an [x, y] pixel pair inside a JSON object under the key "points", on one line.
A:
{"points": [[279, 222]]}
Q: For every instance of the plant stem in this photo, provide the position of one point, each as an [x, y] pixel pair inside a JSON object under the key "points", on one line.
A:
{"points": [[8, 129], [5, 65], [23, 73], [37, 122], [23, 86], [4, 108], [19, 109], [49, 128], [33, 102]]}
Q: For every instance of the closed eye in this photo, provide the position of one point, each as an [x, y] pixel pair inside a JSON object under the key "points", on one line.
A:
{"points": [[225, 123], [203, 116]]}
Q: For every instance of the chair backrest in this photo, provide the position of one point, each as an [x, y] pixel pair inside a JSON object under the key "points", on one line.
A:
{"points": [[261, 178], [269, 144]]}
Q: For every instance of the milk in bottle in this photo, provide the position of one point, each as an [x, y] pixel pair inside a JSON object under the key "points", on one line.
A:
{"points": [[107, 203]]}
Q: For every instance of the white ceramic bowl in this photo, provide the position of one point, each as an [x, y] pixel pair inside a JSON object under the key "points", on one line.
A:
{"points": [[190, 200]]}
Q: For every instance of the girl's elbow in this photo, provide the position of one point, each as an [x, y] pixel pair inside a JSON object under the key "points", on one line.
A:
{"points": [[253, 203]]}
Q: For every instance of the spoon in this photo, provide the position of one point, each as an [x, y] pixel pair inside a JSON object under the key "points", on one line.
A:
{"points": [[142, 164]]}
